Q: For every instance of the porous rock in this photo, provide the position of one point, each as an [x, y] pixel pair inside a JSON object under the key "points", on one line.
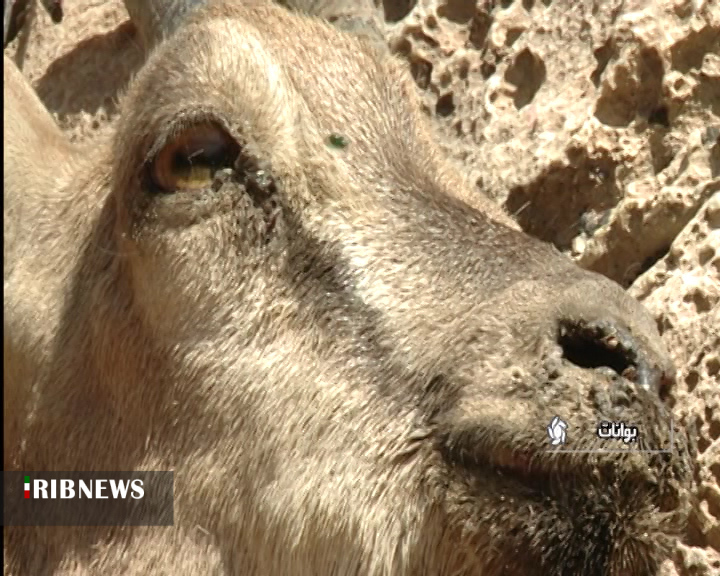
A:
{"points": [[597, 124]]}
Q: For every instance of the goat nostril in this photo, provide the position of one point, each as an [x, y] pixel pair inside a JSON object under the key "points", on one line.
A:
{"points": [[602, 344], [611, 347]]}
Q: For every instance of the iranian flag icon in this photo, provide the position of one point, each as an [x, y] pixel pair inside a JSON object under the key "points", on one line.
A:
{"points": [[27, 487]]}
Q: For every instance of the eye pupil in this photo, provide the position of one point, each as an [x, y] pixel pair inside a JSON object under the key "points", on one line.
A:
{"points": [[180, 162]]}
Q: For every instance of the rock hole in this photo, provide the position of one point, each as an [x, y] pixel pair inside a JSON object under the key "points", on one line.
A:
{"points": [[504, 4], [527, 73], [634, 92], [713, 501], [699, 300], [651, 71], [396, 10], [479, 28], [683, 9], [550, 206], [613, 108], [445, 105], [528, 4], [712, 366], [705, 254], [715, 469], [421, 71], [692, 379], [460, 11], [487, 69], [708, 93], [512, 35], [661, 152], [663, 324], [660, 116], [689, 52], [418, 34], [712, 215], [402, 46], [716, 264], [463, 69], [703, 444]]}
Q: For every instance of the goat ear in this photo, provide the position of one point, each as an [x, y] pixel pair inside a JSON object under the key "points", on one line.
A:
{"points": [[158, 19]]}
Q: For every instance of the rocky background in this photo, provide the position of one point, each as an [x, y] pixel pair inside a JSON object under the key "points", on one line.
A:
{"points": [[596, 123]]}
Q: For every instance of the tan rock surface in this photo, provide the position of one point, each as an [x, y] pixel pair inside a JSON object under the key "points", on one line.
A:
{"points": [[595, 122], [79, 67]]}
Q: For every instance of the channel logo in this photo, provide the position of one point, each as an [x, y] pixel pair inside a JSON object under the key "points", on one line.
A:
{"points": [[89, 498], [66, 488]]}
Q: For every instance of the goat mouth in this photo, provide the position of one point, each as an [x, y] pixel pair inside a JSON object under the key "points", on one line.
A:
{"points": [[533, 475], [524, 471], [529, 470], [537, 472]]}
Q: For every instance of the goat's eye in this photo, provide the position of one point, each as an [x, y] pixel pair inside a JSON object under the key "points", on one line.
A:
{"points": [[190, 159]]}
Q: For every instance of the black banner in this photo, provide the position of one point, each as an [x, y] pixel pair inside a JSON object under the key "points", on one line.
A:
{"points": [[88, 499]]}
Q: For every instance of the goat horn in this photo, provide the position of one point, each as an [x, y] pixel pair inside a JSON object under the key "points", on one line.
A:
{"points": [[158, 19]]}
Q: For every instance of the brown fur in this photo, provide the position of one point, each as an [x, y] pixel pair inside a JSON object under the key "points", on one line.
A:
{"points": [[356, 381]]}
